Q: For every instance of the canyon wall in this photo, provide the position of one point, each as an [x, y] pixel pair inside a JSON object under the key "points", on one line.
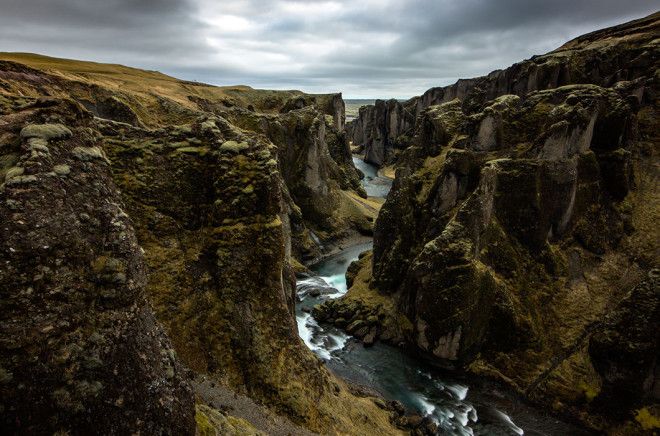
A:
{"points": [[154, 209], [602, 58], [519, 239], [80, 346]]}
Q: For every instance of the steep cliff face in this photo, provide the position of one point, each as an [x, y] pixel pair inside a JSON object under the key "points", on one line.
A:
{"points": [[382, 129], [316, 165], [80, 349], [206, 199], [621, 53], [181, 208], [211, 211], [516, 225], [313, 153]]}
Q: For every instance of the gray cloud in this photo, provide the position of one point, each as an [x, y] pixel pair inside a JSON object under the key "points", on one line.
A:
{"points": [[367, 48]]}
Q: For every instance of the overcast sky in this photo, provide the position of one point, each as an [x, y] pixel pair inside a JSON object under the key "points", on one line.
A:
{"points": [[364, 48]]}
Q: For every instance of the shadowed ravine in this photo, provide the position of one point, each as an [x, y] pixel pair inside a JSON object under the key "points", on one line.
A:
{"points": [[458, 406]]}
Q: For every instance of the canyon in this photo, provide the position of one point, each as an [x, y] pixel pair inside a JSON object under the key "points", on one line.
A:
{"points": [[165, 244]]}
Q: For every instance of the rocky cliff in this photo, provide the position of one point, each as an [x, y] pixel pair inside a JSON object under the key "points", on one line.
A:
{"points": [[519, 239], [313, 152], [602, 58], [317, 168], [80, 347], [174, 207], [382, 129]]}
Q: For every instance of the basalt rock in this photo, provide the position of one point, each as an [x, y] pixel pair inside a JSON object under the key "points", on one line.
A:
{"points": [[381, 129], [316, 165], [214, 219], [211, 212], [629, 334], [206, 199], [604, 58], [80, 349], [518, 221]]}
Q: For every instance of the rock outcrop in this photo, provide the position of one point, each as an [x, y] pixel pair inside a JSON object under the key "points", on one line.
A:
{"points": [[316, 165], [382, 129], [605, 57], [206, 199], [520, 223], [323, 189], [80, 349], [193, 212]]}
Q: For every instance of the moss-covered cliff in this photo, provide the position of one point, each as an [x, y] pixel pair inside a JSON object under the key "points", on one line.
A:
{"points": [[518, 241], [161, 199], [80, 349], [605, 57]]}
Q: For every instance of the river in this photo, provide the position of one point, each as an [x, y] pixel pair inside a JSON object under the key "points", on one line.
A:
{"points": [[458, 407]]}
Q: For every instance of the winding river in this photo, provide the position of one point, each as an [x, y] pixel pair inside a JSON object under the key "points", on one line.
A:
{"points": [[457, 408]]}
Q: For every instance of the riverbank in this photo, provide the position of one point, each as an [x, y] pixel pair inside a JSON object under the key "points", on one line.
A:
{"points": [[458, 403]]}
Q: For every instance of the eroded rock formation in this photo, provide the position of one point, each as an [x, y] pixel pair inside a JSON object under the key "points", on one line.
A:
{"points": [[605, 57], [80, 347], [519, 233], [178, 206]]}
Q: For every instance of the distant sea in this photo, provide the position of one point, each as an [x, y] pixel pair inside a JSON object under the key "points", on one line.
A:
{"points": [[353, 107]]}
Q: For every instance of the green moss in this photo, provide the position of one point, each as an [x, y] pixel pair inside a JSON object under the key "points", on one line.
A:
{"points": [[179, 144], [193, 150], [87, 154], [21, 180], [46, 131], [647, 420], [184, 129], [590, 392], [209, 126], [212, 422], [204, 427], [14, 172], [234, 147], [62, 170]]}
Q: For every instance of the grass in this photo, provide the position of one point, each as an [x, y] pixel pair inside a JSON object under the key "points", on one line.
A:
{"points": [[146, 92]]}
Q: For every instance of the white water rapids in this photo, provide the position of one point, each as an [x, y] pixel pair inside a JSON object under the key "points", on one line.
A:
{"points": [[384, 368]]}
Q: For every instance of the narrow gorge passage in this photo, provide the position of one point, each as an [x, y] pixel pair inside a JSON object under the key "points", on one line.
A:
{"points": [[456, 408]]}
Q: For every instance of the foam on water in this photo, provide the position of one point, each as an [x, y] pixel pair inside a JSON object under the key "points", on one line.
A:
{"points": [[508, 420], [426, 407], [303, 331], [307, 327], [459, 391], [339, 341]]}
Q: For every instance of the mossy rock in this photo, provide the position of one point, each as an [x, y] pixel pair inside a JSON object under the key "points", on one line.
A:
{"points": [[212, 422], [46, 131], [234, 146]]}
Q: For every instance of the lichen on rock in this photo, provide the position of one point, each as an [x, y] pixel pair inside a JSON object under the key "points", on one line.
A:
{"points": [[82, 351]]}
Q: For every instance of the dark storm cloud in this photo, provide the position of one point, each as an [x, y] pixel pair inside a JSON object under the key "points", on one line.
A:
{"points": [[364, 48], [85, 13], [146, 32]]}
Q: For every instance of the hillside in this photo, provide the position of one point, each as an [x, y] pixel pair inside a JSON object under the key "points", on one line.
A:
{"points": [[149, 241], [137, 96]]}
